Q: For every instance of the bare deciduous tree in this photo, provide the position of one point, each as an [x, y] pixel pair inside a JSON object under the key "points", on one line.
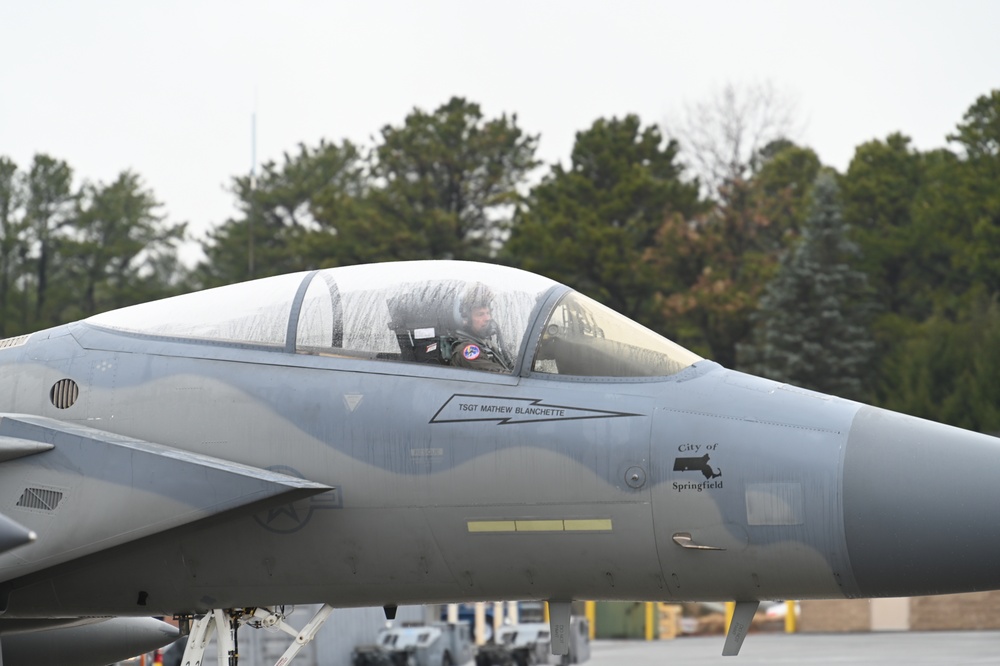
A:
{"points": [[721, 137]]}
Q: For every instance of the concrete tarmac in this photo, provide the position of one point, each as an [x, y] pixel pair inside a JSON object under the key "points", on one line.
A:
{"points": [[944, 648]]}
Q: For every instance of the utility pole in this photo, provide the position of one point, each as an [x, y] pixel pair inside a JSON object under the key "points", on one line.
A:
{"points": [[253, 190]]}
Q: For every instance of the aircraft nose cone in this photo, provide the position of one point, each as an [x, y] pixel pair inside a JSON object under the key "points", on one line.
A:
{"points": [[921, 506]]}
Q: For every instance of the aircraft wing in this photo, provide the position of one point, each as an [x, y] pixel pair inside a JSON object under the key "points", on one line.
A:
{"points": [[83, 490]]}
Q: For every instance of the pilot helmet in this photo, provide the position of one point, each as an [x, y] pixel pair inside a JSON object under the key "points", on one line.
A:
{"points": [[477, 295]]}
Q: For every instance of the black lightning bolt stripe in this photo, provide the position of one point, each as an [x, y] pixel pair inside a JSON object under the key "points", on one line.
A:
{"points": [[463, 408]]}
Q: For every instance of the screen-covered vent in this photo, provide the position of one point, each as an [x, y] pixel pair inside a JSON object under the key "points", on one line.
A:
{"points": [[64, 393], [40, 498], [14, 342]]}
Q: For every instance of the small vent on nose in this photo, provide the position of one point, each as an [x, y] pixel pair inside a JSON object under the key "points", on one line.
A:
{"points": [[40, 498], [64, 393]]}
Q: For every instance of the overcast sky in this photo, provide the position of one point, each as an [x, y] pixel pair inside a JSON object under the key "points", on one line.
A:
{"points": [[168, 88]]}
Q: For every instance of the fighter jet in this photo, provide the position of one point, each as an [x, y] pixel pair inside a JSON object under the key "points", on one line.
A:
{"points": [[443, 431]]}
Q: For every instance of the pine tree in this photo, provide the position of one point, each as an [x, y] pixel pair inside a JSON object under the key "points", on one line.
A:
{"points": [[812, 328], [592, 225]]}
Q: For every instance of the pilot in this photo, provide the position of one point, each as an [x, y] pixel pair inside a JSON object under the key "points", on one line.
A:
{"points": [[476, 344]]}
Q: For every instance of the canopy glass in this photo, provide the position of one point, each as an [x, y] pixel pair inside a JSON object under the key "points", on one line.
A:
{"points": [[411, 311]]}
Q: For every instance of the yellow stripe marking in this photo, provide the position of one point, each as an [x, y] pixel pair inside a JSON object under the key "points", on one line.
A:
{"points": [[591, 525], [492, 526], [556, 525], [539, 525]]}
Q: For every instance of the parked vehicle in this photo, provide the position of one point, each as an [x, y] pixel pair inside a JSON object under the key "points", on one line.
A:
{"points": [[530, 643], [439, 644]]}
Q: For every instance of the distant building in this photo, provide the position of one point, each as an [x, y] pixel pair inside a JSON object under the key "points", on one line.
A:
{"points": [[952, 612]]}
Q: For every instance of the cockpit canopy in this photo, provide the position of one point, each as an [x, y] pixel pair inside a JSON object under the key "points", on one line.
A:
{"points": [[408, 311]]}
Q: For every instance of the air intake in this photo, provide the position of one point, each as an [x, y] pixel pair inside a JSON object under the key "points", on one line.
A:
{"points": [[40, 498], [64, 393]]}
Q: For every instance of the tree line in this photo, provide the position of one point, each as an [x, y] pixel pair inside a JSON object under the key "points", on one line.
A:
{"points": [[68, 251], [879, 283]]}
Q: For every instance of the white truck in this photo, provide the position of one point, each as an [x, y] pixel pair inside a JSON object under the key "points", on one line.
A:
{"points": [[438, 644], [529, 643]]}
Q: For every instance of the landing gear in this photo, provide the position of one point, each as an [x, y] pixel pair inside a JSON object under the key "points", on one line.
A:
{"points": [[224, 624]]}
